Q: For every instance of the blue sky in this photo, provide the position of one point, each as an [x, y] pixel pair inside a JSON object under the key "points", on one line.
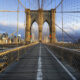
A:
{"points": [[8, 21]]}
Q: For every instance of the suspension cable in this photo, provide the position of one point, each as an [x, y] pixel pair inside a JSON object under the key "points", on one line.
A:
{"points": [[42, 5], [17, 28], [29, 4], [66, 33], [21, 4], [17, 18], [62, 22], [25, 3], [55, 3], [59, 4], [38, 4], [51, 4]]}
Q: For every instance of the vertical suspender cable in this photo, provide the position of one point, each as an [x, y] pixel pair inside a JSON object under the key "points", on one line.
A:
{"points": [[51, 4], [25, 19], [38, 4], [25, 3], [17, 19], [42, 5], [62, 22], [55, 3], [17, 27], [29, 4]]}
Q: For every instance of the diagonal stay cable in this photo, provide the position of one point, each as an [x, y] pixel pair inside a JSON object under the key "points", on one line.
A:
{"points": [[66, 33], [21, 4], [59, 4]]}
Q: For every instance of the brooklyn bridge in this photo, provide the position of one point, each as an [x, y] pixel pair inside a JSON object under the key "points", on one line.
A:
{"points": [[39, 40]]}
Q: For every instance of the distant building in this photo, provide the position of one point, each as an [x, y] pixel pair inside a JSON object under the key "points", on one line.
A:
{"points": [[16, 39], [46, 39], [5, 39], [19, 39], [13, 39], [9, 41], [0, 37]]}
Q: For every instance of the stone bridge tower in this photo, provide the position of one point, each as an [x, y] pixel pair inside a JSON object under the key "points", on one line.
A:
{"points": [[40, 16]]}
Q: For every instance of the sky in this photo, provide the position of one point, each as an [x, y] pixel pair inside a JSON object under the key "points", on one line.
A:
{"points": [[71, 21]]}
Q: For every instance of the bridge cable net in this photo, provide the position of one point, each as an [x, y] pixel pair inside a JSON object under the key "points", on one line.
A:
{"points": [[68, 26], [67, 31], [12, 25], [12, 20], [12, 28], [68, 23], [9, 21]]}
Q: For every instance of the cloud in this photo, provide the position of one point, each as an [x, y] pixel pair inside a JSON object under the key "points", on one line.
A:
{"points": [[12, 24], [3, 23], [69, 27]]}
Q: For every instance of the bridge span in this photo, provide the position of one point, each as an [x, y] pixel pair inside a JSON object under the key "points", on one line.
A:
{"points": [[38, 62]]}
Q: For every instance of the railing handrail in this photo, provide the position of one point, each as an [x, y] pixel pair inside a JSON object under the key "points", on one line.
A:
{"points": [[72, 50], [15, 49]]}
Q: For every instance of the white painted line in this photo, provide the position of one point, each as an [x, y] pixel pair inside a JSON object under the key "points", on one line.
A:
{"points": [[39, 70], [73, 77]]}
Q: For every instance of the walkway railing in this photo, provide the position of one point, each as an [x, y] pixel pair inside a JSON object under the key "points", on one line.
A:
{"points": [[72, 57], [69, 45], [9, 56]]}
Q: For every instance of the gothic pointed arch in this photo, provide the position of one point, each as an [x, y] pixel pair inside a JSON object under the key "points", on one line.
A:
{"points": [[40, 16]]}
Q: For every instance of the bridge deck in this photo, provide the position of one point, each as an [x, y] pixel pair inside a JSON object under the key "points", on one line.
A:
{"points": [[36, 64]]}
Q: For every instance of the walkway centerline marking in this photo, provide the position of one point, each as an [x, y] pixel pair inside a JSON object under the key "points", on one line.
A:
{"points": [[67, 71], [39, 70]]}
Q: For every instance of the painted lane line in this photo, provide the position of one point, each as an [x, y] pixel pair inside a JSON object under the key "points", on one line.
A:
{"points": [[39, 70], [67, 71]]}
